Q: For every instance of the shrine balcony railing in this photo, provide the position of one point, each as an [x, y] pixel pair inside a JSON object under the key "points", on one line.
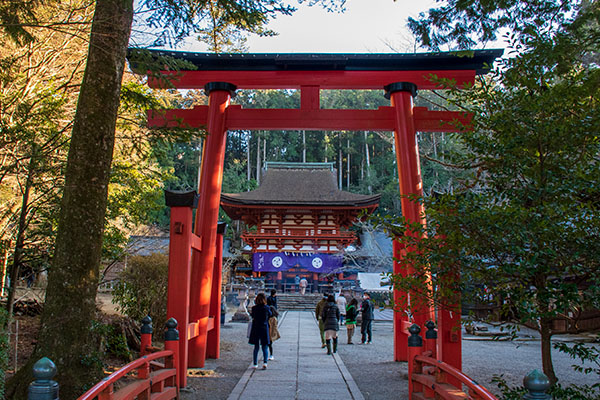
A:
{"points": [[305, 232]]}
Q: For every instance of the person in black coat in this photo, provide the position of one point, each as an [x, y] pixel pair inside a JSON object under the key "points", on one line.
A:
{"points": [[366, 326], [259, 333], [331, 318]]}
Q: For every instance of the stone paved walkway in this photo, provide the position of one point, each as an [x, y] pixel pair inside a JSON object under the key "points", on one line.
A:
{"points": [[301, 369]]}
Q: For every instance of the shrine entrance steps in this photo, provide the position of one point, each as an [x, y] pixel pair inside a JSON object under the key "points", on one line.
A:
{"points": [[301, 370], [297, 301]]}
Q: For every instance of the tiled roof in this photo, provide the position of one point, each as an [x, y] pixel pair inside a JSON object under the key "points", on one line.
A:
{"points": [[309, 187]]}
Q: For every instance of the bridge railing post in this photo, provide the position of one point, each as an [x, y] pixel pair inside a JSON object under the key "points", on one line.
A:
{"points": [[431, 338], [172, 343], [146, 339], [415, 348], [43, 387], [536, 383]]}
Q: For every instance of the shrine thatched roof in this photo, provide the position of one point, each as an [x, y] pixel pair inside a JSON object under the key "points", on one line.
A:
{"points": [[299, 185]]}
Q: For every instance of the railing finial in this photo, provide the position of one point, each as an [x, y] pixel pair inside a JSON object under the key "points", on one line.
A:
{"points": [[43, 387], [146, 324], [415, 340], [171, 333], [536, 382], [431, 332]]}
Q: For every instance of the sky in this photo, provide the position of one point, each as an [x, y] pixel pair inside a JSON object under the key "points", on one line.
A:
{"points": [[367, 26]]}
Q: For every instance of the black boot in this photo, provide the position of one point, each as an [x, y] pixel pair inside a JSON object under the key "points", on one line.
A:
{"points": [[335, 345], [328, 344]]}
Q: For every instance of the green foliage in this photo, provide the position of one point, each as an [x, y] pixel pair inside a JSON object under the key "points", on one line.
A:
{"points": [[584, 353], [178, 22], [142, 288], [558, 392], [14, 16], [381, 299], [524, 226], [466, 23], [112, 340]]}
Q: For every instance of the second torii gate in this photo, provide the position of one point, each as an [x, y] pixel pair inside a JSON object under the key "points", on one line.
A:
{"points": [[191, 284]]}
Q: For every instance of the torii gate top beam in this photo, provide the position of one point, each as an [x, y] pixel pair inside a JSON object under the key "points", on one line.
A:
{"points": [[326, 71]]}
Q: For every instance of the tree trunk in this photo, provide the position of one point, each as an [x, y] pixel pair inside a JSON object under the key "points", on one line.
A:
{"points": [[20, 239], [248, 168], [348, 164], [368, 159], [73, 278], [303, 146], [546, 333], [258, 159], [340, 172]]}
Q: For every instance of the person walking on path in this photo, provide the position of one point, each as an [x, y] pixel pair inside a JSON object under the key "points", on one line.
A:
{"points": [[297, 283], [366, 325], [341, 303], [273, 330], [303, 285], [318, 312], [259, 332], [272, 299], [351, 314], [331, 318]]}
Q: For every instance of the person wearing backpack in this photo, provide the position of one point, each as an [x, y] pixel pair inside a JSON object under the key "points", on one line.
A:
{"points": [[331, 318], [351, 314]]}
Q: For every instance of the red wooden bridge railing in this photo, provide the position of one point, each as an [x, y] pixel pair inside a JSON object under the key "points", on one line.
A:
{"points": [[151, 379], [430, 378]]}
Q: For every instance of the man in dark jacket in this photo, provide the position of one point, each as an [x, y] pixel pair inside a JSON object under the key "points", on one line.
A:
{"points": [[272, 299], [331, 317], [318, 312], [366, 325]]}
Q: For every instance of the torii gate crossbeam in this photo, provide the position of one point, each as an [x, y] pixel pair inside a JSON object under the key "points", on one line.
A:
{"points": [[400, 75]]}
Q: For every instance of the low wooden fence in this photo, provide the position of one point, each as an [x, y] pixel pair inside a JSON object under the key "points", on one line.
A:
{"points": [[151, 379], [429, 378], [152, 376]]}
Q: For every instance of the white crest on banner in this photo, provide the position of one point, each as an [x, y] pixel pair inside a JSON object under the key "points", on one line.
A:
{"points": [[317, 262], [277, 262]]}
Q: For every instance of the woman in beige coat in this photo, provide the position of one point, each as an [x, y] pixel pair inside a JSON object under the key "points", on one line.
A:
{"points": [[273, 330]]}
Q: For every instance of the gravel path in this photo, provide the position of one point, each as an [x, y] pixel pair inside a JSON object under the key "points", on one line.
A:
{"points": [[373, 368], [218, 378]]}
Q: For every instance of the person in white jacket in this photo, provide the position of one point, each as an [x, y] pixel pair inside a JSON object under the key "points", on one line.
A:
{"points": [[341, 303]]}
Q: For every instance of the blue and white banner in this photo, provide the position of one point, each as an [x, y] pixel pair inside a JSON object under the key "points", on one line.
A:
{"points": [[314, 262]]}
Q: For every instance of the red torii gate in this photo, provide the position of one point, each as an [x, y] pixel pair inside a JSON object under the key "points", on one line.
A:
{"points": [[193, 294]]}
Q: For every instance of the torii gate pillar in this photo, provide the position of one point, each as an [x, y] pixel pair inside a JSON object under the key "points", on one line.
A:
{"points": [[211, 178], [411, 185]]}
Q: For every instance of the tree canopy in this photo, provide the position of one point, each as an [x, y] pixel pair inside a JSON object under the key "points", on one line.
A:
{"points": [[524, 226]]}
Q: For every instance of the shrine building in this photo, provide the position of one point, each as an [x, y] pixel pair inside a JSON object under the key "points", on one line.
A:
{"points": [[302, 222]]}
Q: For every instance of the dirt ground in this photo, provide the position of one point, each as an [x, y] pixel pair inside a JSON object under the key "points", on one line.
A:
{"points": [[24, 328]]}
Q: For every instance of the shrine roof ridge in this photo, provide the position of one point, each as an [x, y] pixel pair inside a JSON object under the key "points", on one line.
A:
{"points": [[299, 187], [478, 60]]}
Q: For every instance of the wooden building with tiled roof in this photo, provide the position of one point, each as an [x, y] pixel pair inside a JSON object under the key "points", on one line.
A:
{"points": [[301, 219]]}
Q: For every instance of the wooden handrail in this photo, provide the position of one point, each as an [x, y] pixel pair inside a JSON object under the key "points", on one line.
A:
{"points": [[480, 391], [110, 380]]}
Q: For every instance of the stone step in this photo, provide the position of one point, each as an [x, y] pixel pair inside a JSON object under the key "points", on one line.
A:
{"points": [[298, 302]]}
